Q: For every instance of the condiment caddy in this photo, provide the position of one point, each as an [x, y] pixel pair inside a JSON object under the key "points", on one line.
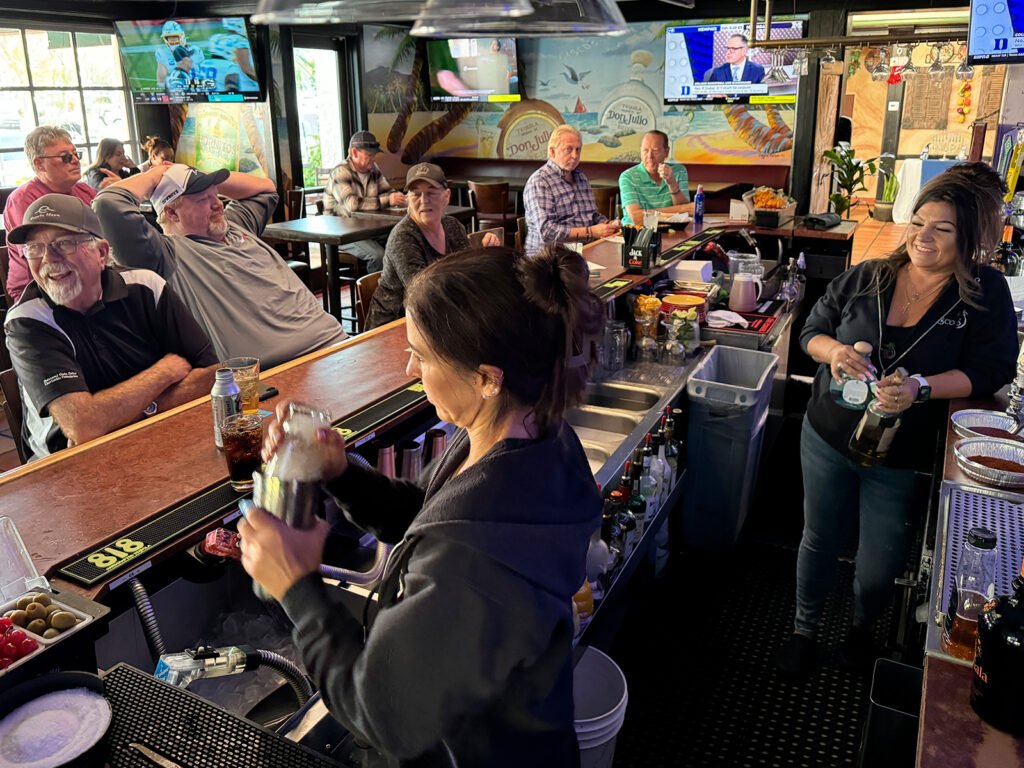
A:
{"points": [[19, 581]]}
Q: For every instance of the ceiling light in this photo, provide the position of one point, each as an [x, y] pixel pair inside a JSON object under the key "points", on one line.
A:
{"points": [[549, 18]]}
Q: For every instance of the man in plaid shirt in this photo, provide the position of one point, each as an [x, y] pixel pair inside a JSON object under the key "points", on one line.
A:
{"points": [[558, 199], [358, 185]]}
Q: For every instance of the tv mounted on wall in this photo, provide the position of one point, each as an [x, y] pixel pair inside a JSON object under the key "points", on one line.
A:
{"points": [[482, 69], [996, 32]]}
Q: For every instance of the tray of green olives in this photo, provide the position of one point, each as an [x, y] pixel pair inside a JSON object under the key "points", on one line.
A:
{"points": [[42, 619]]}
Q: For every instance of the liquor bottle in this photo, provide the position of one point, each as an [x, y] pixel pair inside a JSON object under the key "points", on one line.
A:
{"points": [[226, 400], [999, 662], [668, 429], [850, 392], [626, 482], [611, 531], [649, 483], [679, 439], [1006, 258], [660, 470], [870, 442], [698, 207], [638, 503], [973, 586]]}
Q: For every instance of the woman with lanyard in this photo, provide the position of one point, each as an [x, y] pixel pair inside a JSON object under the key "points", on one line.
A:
{"points": [[468, 659], [933, 309]]}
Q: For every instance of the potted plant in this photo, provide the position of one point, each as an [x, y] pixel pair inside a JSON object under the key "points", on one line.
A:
{"points": [[849, 174], [883, 206]]}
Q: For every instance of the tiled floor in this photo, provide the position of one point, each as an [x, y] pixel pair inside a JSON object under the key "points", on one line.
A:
{"points": [[874, 239]]}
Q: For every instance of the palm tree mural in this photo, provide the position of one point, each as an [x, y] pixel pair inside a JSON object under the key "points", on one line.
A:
{"points": [[412, 99]]}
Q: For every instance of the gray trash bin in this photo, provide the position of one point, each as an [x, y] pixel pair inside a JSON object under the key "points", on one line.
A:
{"points": [[890, 733], [729, 393]]}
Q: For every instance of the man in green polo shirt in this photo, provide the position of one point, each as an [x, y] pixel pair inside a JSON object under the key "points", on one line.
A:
{"points": [[653, 184]]}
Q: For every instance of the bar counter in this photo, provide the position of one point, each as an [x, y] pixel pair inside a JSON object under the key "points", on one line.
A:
{"points": [[70, 503], [951, 735]]}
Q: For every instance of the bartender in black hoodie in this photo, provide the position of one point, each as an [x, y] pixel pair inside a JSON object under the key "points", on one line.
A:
{"points": [[468, 660], [933, 309]]}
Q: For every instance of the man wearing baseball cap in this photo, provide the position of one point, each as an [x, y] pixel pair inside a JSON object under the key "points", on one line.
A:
{"points": [[423, 236], [238, 288], [359, 185], [95, 347]]}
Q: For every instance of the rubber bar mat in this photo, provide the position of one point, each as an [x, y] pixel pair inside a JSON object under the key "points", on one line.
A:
{"points": [[710, 695], [190, 730]]}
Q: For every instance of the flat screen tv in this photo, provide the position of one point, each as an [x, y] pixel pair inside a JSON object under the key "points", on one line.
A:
{"points": [[473, 69], [996, 32], [188, 60], [717, 63]]}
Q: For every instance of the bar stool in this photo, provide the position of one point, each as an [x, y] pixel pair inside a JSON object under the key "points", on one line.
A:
{"points": [[12, 410], [366, 286]]}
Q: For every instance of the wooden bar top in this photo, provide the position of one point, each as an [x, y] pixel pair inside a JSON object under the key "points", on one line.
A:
{"points": [[74, 501], [950, 734]]}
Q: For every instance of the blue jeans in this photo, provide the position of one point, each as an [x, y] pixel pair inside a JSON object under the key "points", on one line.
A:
{"points": [[837, 491], [369, 251]]}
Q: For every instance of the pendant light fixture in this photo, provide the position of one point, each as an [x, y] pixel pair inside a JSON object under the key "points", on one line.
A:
{"points": [[549, 18], [352, 11]]}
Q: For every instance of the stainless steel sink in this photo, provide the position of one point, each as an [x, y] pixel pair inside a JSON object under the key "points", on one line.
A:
{"points": [[597, 455], [626, 397], [604, 420]]}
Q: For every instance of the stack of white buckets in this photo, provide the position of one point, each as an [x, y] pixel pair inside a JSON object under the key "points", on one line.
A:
{"points": [[600, 695]]}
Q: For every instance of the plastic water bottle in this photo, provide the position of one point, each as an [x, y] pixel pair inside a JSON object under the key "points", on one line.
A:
{"points": [[698, 206]]}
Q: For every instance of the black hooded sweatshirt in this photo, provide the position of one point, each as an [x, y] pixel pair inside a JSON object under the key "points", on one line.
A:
{"points": [[468, 661]]}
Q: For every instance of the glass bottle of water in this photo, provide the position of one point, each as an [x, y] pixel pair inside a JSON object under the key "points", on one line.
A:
{"points": [[850, 392]]}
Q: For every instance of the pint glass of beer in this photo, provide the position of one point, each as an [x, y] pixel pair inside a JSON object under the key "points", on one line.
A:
{"points": [[242, 435], [246, 371]]}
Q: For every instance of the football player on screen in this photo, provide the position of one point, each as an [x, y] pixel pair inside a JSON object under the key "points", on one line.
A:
{"points": [[222, 66], [238, 39], [173, 35], [180, 79]]}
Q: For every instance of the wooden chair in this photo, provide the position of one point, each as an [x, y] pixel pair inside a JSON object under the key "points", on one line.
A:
{"points": [[4, 266], [491, 204], [12, 410], [366, 286], [295, 255], [476, 239], [520, 233], [606, 199]]}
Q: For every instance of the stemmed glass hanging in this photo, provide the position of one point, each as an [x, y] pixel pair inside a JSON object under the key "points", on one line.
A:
{"points": [[829, 57], [880, 72]]}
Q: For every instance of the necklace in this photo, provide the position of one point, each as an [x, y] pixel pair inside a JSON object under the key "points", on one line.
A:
{"points": [[915, 295]]}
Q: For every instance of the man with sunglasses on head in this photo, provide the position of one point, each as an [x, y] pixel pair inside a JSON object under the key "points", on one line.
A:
{"points": [[58, 168], [239, 289], [95, 347]]}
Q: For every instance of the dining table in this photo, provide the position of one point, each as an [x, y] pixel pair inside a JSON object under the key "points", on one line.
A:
{"points": [[334, 232]]}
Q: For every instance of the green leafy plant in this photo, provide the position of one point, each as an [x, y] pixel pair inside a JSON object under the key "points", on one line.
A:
{"points": [[890, 189], [849, 174]]}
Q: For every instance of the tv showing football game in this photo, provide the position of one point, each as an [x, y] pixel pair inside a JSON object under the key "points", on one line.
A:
{"points": [[996, 32], [473, 69], [720, 63], [188, 60]]}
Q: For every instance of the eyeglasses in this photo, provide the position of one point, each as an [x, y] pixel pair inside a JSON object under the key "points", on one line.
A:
{"points": [[735, 47], [65, 157], [431, 194], [64, 247]]}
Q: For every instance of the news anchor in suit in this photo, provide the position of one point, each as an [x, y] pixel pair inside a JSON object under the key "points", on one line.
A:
{"points": [[736, 67]]}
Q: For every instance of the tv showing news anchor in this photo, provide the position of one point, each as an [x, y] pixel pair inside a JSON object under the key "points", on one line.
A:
{"points": [[736, 68]]}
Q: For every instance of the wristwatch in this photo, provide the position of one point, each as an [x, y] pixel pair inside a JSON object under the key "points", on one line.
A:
{"points": [[151, 409], [924, 389]]}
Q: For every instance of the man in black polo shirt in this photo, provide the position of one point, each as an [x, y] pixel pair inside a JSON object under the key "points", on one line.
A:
{"points": [[95, 347]]}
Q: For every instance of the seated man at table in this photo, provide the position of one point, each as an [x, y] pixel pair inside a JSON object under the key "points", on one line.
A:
{"points": [[358, 185], [58, 168], [558, 199], [421, 238], [95, 347], [239, 289], [653, 184]]}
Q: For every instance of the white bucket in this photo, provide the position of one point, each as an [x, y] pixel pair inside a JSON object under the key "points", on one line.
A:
{"points": [[600, 696]]}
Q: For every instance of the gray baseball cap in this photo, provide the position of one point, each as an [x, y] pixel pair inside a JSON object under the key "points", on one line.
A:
{"points": [[427, 172], [53, 210], [364, 140]]}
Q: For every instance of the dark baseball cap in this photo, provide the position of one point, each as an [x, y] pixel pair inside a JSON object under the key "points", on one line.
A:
{"points": [[53, 210], [182, 179], [427, 172], [364, 140], [181, 52]]}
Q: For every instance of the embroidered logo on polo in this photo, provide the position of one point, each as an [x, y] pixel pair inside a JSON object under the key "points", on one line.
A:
{"points": [[957, 322]]}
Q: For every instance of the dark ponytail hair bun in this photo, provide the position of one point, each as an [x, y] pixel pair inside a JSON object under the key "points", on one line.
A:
{"points": [[532, 318]]}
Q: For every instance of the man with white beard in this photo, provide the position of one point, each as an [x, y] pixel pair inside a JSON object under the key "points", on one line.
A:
{"points": [[239, 289], [95, 347]]}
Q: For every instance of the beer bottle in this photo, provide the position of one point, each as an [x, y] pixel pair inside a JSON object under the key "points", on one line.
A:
{"points": [[850, 392], [999, 661], [973, 586]]}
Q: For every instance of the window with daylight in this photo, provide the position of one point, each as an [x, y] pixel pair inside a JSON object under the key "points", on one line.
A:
{"points": [[64, 78]]}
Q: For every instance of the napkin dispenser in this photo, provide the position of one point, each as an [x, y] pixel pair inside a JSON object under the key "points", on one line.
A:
{"points": [[640, 249]]}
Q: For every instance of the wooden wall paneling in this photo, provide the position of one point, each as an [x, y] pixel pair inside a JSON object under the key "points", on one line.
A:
{"points": [[824, 131]]}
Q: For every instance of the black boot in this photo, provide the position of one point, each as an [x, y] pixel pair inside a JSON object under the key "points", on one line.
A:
{"points": [[796, 658]]}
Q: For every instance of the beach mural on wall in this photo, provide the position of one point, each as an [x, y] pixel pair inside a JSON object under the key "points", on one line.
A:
{"points": [[609, 88]]}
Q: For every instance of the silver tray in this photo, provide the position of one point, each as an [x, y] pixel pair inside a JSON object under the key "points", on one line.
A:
{"points": [[964, 422], [1013, 450]]}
